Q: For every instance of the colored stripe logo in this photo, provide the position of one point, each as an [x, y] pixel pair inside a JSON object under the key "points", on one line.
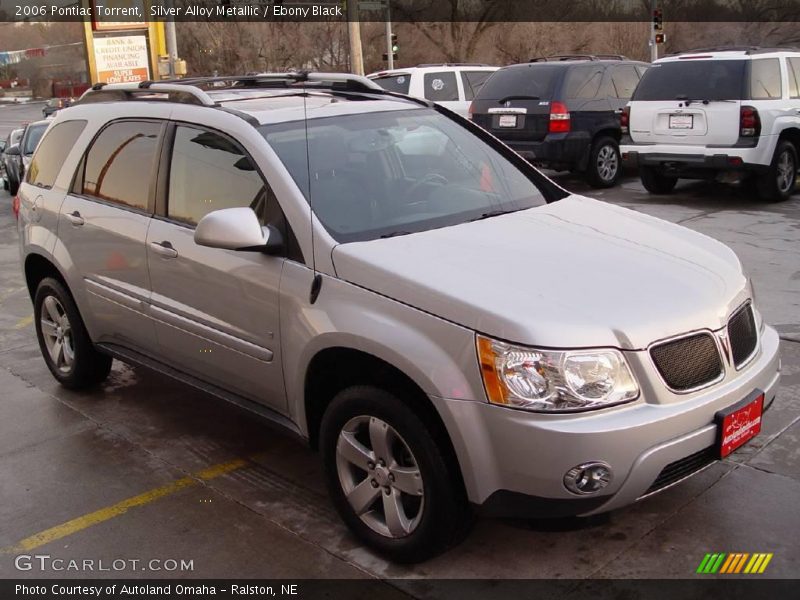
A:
{"points": [[734, 562]]}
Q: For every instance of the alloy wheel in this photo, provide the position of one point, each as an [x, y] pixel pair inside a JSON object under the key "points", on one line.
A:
{"points": [[380, 477], [57, 334], [786, 171], [607, 163]]}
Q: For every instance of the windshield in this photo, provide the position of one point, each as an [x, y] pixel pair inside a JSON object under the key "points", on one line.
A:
{"points": [[32, 138], [693, 79], [392, 173], [535, 81]]}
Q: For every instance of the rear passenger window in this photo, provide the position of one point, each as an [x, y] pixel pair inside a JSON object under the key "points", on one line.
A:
{"points": [[121, 163], [625, 79], [583, 82], [209, 172], [765, 79], [52, 152], [473, 82], [441, 87], [793, 65], [394, 83]]}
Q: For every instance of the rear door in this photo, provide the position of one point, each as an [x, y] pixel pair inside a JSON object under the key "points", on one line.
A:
{"points": [[103, 224], [514, 104], [689, 101], [216, 311]]}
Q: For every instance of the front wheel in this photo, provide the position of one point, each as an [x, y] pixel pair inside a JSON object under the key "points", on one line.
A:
{"points": [[65, 345], [656, 182], [778, 183], [388, 478], [604, 167]]}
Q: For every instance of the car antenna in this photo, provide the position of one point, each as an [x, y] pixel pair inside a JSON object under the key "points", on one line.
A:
{"points": [[316, 283]]}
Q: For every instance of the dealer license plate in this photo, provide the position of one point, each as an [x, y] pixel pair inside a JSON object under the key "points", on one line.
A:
{"points": [[739, 424], [507, 121], [681, 121]]}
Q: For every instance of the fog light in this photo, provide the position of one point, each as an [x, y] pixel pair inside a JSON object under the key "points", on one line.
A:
{"points": [[588, 478]]}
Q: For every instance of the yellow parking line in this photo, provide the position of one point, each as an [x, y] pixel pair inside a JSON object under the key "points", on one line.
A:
{"points": [[109, 512], [24, 322]]}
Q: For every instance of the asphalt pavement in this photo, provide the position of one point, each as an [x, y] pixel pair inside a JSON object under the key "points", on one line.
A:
{"points": [[144, 469]]}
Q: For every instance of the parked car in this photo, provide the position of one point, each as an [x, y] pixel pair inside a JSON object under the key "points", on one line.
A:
{"points": [[453, 85], [727, 113], [562, 112], [55, 104], [452, 330], [2, 161], [20, 158], [10, 158]]}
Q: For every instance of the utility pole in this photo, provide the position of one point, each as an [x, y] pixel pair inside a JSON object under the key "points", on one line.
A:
{"points": [[172, 46], [354, 35], [653, 46], [389, 44]]}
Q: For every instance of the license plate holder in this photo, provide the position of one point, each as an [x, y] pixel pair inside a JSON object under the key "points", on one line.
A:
{"points": [[507, 121], [738, 424], [681, 121]]}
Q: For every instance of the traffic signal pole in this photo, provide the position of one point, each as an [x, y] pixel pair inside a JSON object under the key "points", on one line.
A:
{"points": [[653, 45], [389, 44]]}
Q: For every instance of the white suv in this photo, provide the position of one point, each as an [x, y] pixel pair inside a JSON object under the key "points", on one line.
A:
{"points": [[727, 113], [451, 85]]}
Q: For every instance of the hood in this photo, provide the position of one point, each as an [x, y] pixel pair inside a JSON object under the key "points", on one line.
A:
{"points": [[574, 273]]}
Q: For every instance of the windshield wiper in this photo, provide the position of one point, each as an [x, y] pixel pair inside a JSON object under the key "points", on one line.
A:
{"points": [[395, 234], [492, 213], [517, 97], [687, 101]]}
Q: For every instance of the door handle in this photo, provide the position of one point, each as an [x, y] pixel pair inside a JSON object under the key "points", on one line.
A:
{"points": [[75, 218], [164, 248]]}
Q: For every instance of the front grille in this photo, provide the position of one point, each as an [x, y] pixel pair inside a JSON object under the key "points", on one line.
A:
{"points": [[743, 335], [688, 362], [675, 471]]}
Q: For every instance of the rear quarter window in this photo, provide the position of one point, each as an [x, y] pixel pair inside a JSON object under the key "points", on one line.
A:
{"points": [[441, 87], [473, 81], [394, 83], [52, 152], [765, 79], [694, 79]]}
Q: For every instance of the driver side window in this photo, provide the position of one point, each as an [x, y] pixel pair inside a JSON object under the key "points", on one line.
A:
{"points": [[208, 172]]}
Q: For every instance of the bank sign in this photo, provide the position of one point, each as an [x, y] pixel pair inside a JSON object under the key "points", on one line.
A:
{"points": [[121, 59]]}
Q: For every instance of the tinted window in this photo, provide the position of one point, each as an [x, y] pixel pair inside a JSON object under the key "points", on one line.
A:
{"points": [[32, 136], [52, 152], [793, 64], [583, 82], [441, 87], [395, 172], [120, 165], [209, 172], [765, 79], [694, 80], [624, 79], [528, 80], [394, 83], [473, 81]]}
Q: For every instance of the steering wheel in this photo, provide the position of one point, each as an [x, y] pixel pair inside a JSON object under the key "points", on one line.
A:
{"points": [[429, 178]]}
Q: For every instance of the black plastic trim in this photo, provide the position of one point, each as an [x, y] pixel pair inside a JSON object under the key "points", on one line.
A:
{"points": [[515, 505]]}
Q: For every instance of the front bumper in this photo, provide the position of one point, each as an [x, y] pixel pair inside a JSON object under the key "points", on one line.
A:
{"points": [[513, 462]]}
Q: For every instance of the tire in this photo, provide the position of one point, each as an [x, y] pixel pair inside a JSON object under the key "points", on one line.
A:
{"points": [[434, 513], [605, 163], [778, 183], [77, 365], [655, 182]]}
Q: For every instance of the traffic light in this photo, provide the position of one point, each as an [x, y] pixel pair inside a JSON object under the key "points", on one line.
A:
{"points": [[386, 56], [661, 38], [395, 47], [658, 20]]}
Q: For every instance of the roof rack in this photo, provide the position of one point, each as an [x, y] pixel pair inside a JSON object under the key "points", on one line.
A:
{"points": [[189, 90], [424, 65], [565, 57], [746, 49]]}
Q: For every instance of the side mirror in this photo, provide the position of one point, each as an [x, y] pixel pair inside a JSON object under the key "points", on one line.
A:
{"points": [[237, 229], [2, 147], [13, 150]]}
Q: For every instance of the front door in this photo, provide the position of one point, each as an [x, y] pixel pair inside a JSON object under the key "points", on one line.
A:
{"points": [[216, 311]]}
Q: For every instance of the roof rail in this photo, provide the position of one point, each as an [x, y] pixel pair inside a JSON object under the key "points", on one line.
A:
{"points": [[424, 65], [746, 49], [189, 90], [565, 57]]}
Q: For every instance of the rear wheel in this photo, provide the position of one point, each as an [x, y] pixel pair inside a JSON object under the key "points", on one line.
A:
{"points": [[65, 345], [604, 163], [778, 183], [655, 181], [388, 478]]}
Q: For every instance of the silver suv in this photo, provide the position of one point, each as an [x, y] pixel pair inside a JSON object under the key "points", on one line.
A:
{"points": [[449, 327]]}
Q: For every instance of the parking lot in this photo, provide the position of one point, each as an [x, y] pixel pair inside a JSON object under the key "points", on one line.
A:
{"points": [[150, 472]]}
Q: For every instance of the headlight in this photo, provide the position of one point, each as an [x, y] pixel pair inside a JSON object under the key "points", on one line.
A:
{"points": [[554, 381]]}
